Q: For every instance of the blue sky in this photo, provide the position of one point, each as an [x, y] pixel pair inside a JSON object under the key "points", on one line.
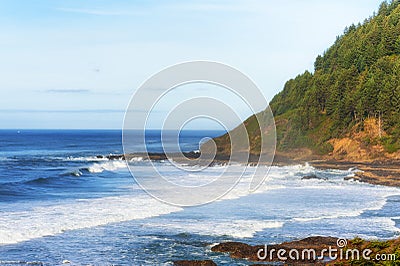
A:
{"points": [[75, 64]]}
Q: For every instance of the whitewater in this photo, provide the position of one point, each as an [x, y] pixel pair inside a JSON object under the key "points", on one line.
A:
{"points": [[61, 201]]}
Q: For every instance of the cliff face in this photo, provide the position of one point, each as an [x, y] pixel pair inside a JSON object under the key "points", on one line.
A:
{"points": [[349, 108]]}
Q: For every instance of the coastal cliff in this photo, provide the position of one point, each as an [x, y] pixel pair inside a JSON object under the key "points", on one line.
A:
{"points": [[349, 107]]}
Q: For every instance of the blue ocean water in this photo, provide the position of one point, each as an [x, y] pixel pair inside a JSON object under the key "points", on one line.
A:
{"points": [[61, 199], [38, 165]]}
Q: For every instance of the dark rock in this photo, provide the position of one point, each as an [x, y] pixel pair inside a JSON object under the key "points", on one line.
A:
{"points": [[229, 247], [194, 263], [236, 249], [347, 178], [116, 157], [313, 176], [315, 242]]}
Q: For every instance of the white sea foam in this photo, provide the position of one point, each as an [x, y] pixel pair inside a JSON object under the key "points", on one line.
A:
{"points": [[76, 172], [106, 166], [293, 199], [20, 262], [87, 158], [98, 167], [334, 216], [375, 202], [136, 159], [51, 220], [369, 225], [354, 170], [217, 227], [364, 227]]}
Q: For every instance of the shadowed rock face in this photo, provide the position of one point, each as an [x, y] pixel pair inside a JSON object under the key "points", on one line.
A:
{"points": [[194, 263]]}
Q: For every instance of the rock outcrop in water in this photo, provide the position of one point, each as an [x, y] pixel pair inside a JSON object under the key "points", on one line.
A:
{"points": [[239, 250], [319, 244], [313, 176]]}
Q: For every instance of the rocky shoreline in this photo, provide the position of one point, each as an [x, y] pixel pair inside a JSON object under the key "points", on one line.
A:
{"points": [[342, 249], [379, 172], [384, 172]]}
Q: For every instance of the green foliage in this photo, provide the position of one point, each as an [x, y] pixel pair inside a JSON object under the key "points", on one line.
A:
{"points": [[357, 241], [356, 78], [391, 144], [379, 244], [397, 254], [377, 247]]}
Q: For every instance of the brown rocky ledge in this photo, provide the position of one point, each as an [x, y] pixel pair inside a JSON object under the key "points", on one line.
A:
{"points": [[194, 263], [382, 172], [239, 250]]}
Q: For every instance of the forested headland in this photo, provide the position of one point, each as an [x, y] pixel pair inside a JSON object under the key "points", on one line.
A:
{"points": [[350, 105]]}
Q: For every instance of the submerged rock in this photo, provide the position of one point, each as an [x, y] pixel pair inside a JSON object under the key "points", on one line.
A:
{"points": [[349, 177], [116, 157], [313, 176]]}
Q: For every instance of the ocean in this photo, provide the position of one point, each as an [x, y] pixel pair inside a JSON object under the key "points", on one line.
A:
{"points": [[61, 199]]}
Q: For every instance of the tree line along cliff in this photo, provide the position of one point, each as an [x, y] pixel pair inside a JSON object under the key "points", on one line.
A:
{"points": [[353, 93]]}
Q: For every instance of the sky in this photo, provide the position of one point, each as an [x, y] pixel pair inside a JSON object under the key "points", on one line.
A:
{"points": [[72, 64]]}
